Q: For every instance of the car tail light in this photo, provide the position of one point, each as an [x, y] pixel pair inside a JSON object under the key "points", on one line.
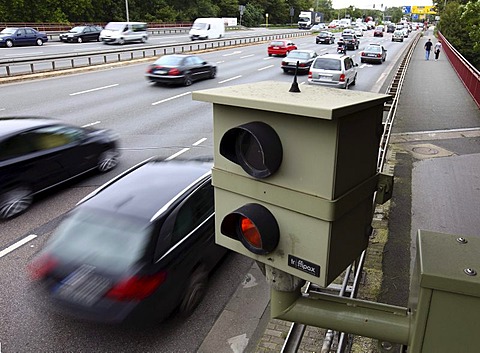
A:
{"points": [[310, 74], [342, 78], [41, 267], [302, 65], [174, 72], [363, 54], [379, 55], [136, 287]]}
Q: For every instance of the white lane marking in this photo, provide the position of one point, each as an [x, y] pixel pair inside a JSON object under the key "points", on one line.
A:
{"points": [[266, 67], [182, 151], [364, 65], [268, 58], [234, 53], [199, 141], [2, 109], [382, 77], [93, 89], [247, 56], [220, 62], [91, 124], [17, 245], [169, 99], [230, 79]]}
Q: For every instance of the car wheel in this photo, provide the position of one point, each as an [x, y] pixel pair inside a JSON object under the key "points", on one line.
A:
{"points": [[213, 73], [269, 54], [362, 61], [121, 41], [187, 81], [79, 40], [194, 292], [108, 160], [354, 80], [15, 201], [8, 43], [39, 42], [144, 39], [285, 70]]}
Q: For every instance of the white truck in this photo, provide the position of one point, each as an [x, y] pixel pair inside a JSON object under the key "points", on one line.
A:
{"points": [[307, 19], [207, 28]]}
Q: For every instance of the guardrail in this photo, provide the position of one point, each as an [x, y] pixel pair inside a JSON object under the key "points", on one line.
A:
{"points": [[75, 60], [468, 74]]}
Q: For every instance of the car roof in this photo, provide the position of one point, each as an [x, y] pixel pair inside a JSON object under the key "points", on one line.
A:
{"points": [[148, 188], [331, 56], [13, 125]]}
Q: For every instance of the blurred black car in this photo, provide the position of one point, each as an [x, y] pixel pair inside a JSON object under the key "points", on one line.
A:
{"points": [[12, 37], [303, 57], [81, 34], [325, 38], [136, 249], [39, 153], [180, 70]]}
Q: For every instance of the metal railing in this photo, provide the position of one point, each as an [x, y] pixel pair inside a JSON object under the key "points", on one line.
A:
{"points": [[468, 74], [57, 62]]}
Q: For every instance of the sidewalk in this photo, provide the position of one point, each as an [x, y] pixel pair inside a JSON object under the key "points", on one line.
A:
{"points": [[436, 132]]}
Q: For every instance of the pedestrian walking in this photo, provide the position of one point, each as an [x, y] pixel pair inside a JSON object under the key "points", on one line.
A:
{"points": [[436, 49], [428, 48]]}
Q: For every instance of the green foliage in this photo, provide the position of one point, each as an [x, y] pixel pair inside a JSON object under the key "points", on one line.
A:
{"points": [[459, 24], [253, 16]]}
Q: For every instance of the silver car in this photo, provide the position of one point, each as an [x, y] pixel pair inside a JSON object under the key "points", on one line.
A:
{"points": [[335, 70], [304, 58]]}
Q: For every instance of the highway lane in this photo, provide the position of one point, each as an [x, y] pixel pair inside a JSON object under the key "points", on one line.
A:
{"points": [[151, 120]]}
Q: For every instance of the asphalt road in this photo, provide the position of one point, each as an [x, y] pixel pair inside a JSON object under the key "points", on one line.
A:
{"points": [[151, 120]]}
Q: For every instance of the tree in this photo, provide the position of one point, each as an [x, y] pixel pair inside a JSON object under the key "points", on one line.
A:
{"points": [[253, 16]]}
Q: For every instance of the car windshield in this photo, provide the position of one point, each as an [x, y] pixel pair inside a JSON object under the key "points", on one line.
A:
{"points": [[323, 34], [200, 26], [277, 44], [108, 241], [8, 31], [117, 27], [347, 36], [169, 60], [327, 64], [77, 29], [298, 55]]}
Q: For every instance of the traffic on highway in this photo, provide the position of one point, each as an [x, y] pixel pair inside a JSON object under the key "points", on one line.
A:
{"points": [[151, 120]]}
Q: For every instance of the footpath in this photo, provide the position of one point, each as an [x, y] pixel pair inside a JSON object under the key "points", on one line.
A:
{"points": [[434, 155]]}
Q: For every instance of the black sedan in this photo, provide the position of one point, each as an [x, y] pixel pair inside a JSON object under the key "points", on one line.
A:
{"points": [[81, 34], [10, 37], [180, 70], [39, 153], [135, 250], [373, 53], [325, 38], [304, 58]]}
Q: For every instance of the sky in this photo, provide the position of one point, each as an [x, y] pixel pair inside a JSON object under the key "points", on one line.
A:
{"points": [[368, 4]]}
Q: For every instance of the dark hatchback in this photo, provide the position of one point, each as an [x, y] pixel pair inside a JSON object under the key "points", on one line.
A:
{"points": [[39, 153], [180, 70], [12, 37], [81, 34], [136, 249], [325, 38]]}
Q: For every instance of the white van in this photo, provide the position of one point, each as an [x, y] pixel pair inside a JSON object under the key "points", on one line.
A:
{"points": [[207, 28], [123, 32]]}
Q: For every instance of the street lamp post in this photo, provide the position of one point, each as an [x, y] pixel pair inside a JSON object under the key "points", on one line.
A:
{"points": [[126, 7], [266, 17]]}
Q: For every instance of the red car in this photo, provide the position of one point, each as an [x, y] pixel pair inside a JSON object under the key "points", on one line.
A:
{"points": [[281, 47]]}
